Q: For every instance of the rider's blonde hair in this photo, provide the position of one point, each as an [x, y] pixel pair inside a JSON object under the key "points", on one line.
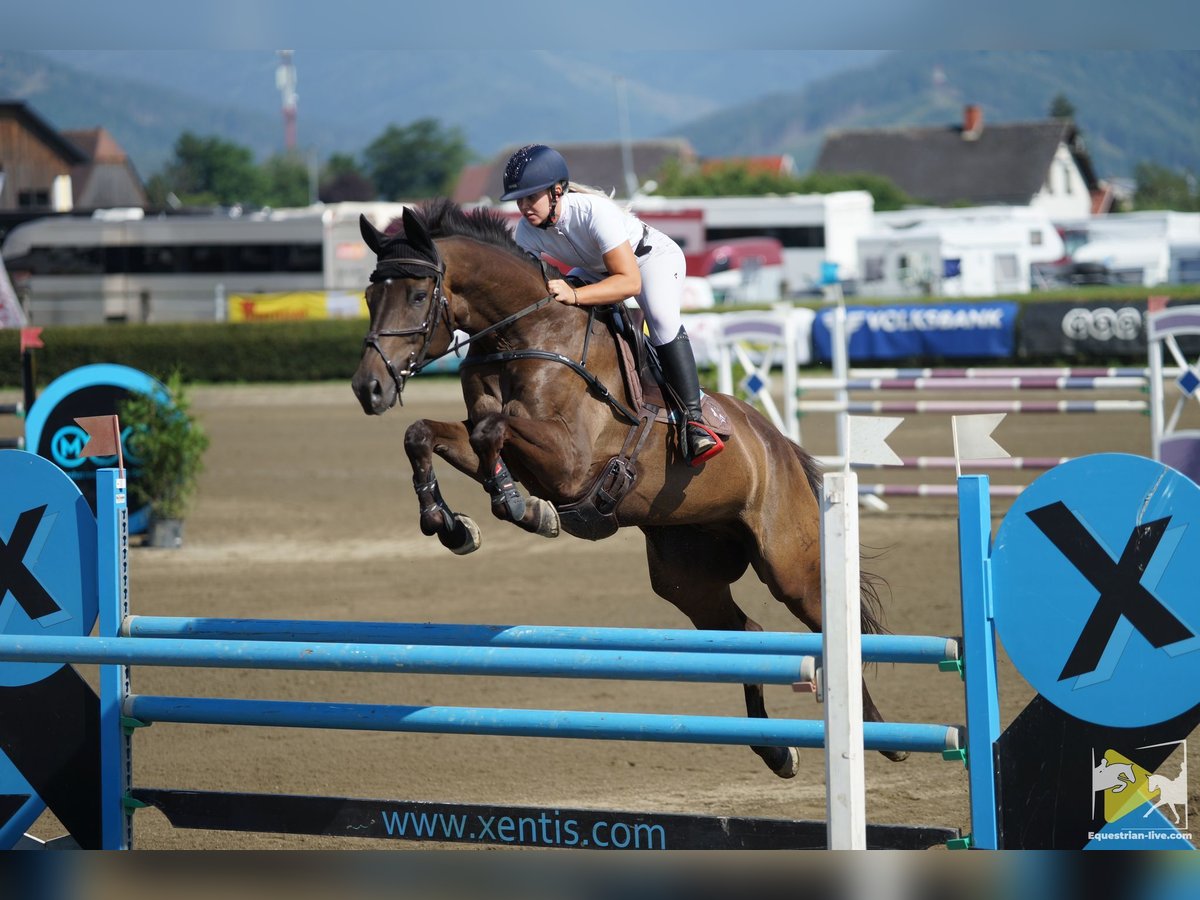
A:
{"points": [[574, 187]]}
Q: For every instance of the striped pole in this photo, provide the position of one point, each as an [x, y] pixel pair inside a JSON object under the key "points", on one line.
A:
{"points": [[1014, 463], [1016, 372], [956, 407], [934, 490], [1014, 383]]}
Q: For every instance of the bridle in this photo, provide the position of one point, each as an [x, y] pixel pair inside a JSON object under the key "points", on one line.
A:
{"points": [[437, 310]]}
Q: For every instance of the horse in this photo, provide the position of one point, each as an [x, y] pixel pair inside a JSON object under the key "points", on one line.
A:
{"points": [[542, 384]]}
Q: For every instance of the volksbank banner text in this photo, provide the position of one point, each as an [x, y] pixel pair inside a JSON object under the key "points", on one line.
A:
{"points": [[946, 330]]}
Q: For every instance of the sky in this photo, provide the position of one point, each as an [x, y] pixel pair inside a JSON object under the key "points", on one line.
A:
{"points": [[617, 24]]}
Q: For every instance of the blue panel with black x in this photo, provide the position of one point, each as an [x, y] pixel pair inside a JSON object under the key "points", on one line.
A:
{"points": [[48, 585], [1095, 572]]}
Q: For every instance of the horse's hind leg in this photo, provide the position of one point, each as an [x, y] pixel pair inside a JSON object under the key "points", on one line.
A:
{"points": [[693, 570], [788, 562]]}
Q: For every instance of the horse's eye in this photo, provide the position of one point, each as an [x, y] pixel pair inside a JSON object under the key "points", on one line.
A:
{"points": [[417, 297]]}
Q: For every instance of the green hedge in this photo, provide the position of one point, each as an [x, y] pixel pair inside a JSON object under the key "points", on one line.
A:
{"points": [[204, 352]]}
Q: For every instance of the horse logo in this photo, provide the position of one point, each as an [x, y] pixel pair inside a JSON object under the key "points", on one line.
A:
{"points": [[1112, 776], [1172, 792], [1128, 787]]}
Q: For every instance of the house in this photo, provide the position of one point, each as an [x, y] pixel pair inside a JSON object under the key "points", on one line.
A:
{"points": [[782, 165], [1039, 164], [107, 179], [599, 164], [35, 163]]}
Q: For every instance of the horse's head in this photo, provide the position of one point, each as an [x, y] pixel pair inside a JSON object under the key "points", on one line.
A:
{"points": [[410, 315]]}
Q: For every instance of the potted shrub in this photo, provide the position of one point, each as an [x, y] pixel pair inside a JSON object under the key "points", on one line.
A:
{"points": [[167, 448]]}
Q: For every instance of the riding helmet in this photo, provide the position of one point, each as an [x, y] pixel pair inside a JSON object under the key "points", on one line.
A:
{"points": [[531, 169]]}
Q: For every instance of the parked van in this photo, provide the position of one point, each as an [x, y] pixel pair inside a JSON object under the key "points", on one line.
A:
{"points": [[741, 270]]}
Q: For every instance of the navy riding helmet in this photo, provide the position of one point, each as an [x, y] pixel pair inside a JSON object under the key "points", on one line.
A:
{"points": [[531, 169]]}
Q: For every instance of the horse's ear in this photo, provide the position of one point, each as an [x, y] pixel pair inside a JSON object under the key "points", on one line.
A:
{"points": [[375, 240], [416, 235]]}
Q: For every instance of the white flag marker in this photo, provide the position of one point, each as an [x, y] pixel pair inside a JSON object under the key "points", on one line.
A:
{"points": [[973, 438], [867, 440]]}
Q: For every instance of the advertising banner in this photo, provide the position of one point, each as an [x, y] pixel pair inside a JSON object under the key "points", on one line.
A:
{"points": [[941, 330], [1088, 330], [296, 306]]}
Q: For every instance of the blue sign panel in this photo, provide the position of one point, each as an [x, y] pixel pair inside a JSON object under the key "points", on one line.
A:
{"points": [[48, 585], [96, 390], [970, 330], [1094, 573]]}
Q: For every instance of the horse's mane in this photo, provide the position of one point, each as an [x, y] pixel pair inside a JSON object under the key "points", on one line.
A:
{"points": [[445, 218]]}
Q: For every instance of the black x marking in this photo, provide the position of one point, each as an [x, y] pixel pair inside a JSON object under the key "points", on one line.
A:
{"points": [[1119, 584], [15, 577]]}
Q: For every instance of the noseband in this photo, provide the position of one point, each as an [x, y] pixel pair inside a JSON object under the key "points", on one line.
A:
{"points": [[438, 309]]}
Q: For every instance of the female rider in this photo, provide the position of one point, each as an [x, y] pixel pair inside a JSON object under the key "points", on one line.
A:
{"points": [[620, 257]]}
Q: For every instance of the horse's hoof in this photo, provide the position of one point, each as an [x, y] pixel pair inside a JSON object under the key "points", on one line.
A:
{"points": [[895, 755], [547, 517], [471, 541], [790, 766]]}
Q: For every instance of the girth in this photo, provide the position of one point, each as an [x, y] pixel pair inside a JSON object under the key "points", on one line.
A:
{"points": [[594, 515]]}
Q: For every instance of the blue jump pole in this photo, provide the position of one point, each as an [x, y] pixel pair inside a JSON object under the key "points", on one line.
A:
{"points": [[979, 644], [888, 648], [809, 733], [112, 565], [630, 665]]}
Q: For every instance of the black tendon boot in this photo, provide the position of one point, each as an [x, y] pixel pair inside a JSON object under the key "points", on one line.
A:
{"points": [[698, 443]]}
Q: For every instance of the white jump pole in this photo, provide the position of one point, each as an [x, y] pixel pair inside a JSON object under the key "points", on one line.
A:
{"points": [[841, 662]]}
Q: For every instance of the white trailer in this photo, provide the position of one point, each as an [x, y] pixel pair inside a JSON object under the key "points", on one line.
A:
{"points": [[813, 228], [951, 259]]}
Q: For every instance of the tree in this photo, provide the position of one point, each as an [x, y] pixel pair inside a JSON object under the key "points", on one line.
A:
{"points": [[737, 180], [419, 160], [1061, 107], [285, 181], [210, 170], [1159, 187], [342, 179]]}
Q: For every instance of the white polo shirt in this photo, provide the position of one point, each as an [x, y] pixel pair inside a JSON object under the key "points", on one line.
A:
{"points": [[588, 226]]}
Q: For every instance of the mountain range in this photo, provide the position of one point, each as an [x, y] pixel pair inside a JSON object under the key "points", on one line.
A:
{"points": [[1130, 105]]}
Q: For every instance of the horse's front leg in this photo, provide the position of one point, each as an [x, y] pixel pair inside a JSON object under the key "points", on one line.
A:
{"points": [[531, 513], [451, 441]]}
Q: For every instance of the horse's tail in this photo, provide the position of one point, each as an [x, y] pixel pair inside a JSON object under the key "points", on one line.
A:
{"points": [[869, 584]]}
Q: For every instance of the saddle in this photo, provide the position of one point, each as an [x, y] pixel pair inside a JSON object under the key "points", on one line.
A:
{"points": [[644, 384], [594, 515]]}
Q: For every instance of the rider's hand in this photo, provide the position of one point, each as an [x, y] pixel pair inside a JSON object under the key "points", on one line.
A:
{"points": [[563, 292]]}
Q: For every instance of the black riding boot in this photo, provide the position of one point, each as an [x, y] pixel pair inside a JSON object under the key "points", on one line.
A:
{"points": [[679, 370]]}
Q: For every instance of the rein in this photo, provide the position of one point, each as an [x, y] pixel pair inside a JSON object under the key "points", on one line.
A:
{"points": [[439, 309]]}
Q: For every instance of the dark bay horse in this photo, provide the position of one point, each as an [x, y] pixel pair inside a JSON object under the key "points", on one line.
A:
{"points": [[754, 505]]}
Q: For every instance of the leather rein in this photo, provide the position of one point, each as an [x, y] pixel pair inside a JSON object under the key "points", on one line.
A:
{"points": [[439, 310]]}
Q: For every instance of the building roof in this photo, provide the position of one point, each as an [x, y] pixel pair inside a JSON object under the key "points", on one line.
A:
{"points": [[598, 164], [97, 143], [36, 125], [997, 163], [782, 164], [106, 178]]}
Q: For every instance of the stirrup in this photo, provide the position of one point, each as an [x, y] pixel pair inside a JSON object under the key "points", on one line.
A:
{"points": [[708, 454]]}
